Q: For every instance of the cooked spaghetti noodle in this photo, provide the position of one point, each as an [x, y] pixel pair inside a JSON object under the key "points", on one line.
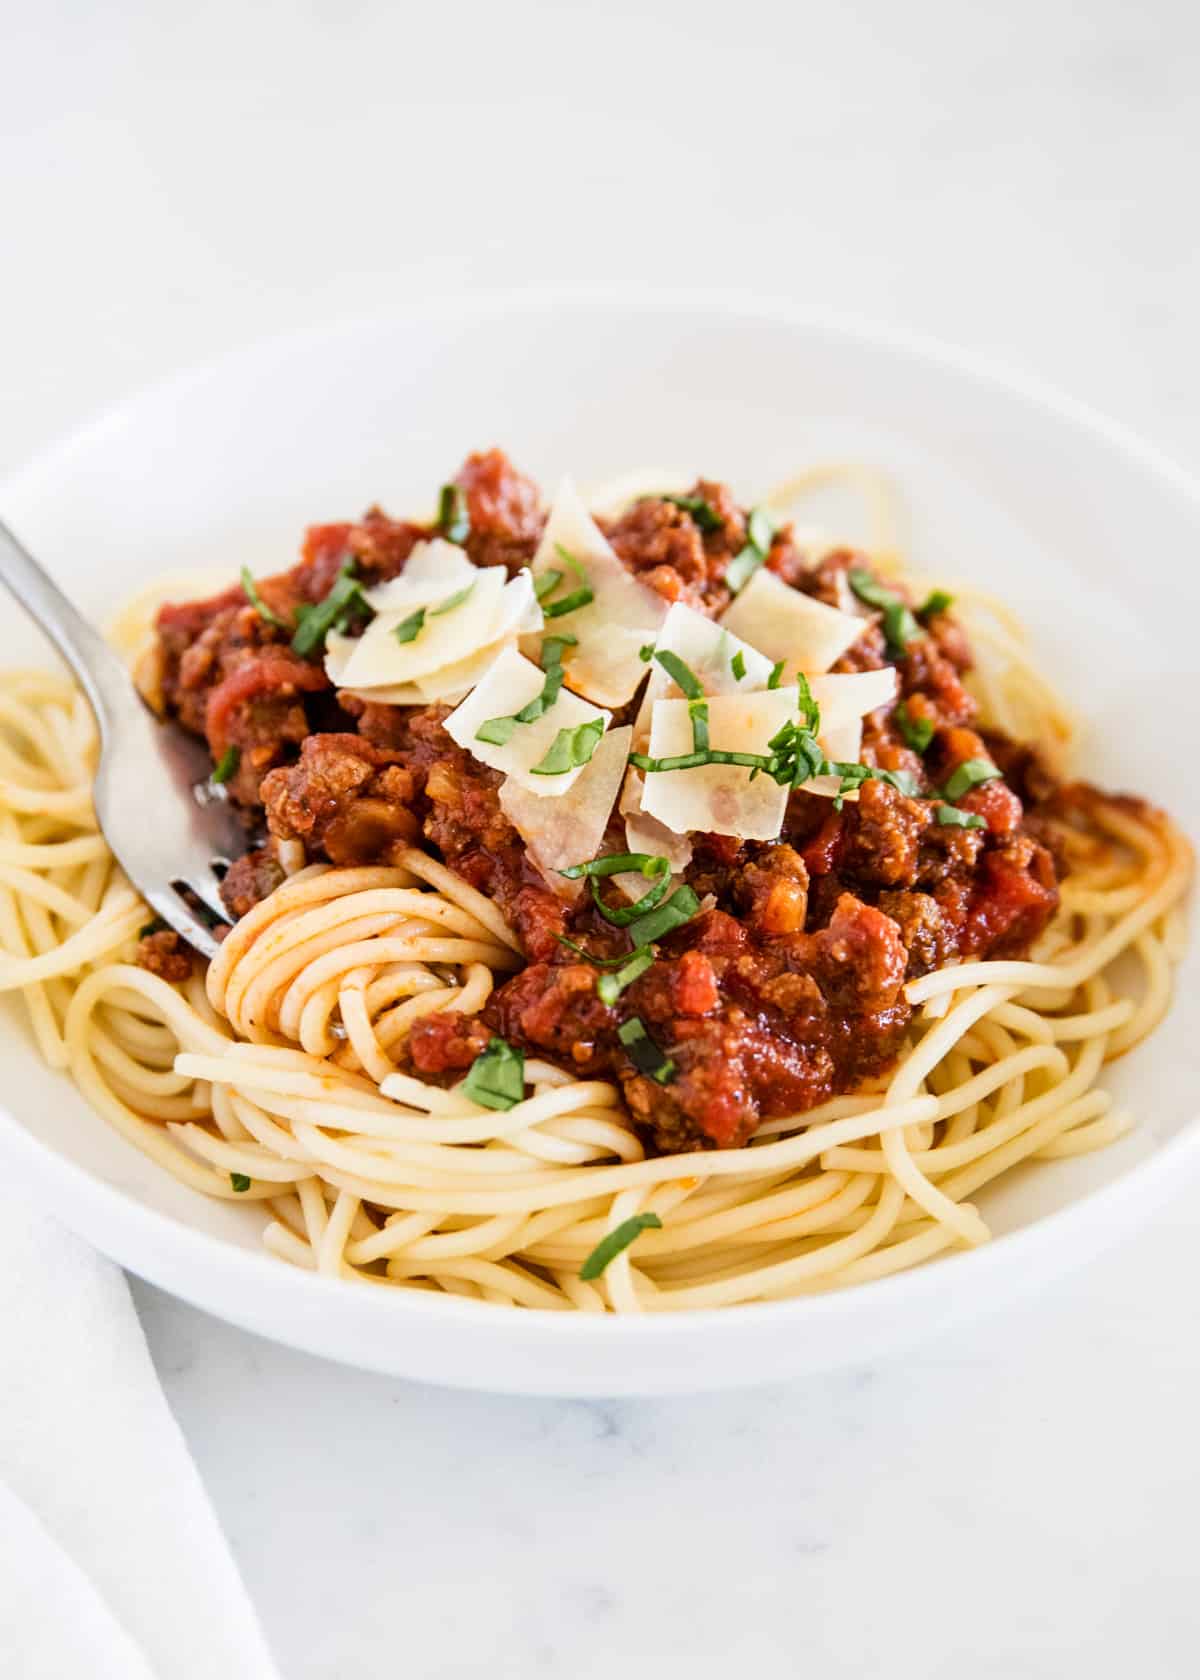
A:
{"points": [[276, 1078]]}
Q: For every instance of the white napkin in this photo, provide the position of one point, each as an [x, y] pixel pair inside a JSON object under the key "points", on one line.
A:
{"points": [[112, 1564]]}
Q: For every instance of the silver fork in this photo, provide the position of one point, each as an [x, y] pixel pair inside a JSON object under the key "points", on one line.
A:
{"points": [[148, 791]]}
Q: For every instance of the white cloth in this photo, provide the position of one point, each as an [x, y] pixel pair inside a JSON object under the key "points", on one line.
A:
{"points": [[112, 1563]]}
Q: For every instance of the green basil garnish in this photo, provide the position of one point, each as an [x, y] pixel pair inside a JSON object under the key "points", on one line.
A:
{"points": [[968, 775], [610, 986], [227, 764], [570, 749], [644, 1053], [497, 1076], [616, 1242], [899, 625], [257, 602], [454, 520], [344, 600], [916, 731], [702, 511], [949, 816], [410, 628]]}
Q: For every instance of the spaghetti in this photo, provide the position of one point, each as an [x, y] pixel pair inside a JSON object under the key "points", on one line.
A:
{"points": [[277, 1077]]}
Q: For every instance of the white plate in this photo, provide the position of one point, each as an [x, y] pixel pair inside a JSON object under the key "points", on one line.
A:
{"points": [[1086, 532]]}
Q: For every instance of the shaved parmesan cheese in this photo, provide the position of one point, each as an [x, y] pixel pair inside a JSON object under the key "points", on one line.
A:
{"points": [[623, 615], [510, 683], [707, 649], [432, 571], [450, 651], [784, 624], [444, 638], [560, 832], [854, 694], [646, 834], [841, 739], [719, 798]]}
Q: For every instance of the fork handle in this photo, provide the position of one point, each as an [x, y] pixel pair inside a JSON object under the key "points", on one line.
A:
{"points": [[100, 672]]}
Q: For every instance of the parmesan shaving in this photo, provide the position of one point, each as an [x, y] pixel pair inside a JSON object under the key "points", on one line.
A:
{"points": [[854, 694], [561, 832], [785, 624], [433, 570], [496, 611], [708, 650], [646, 834], [623, 615], [719, 798], [509, 684]]}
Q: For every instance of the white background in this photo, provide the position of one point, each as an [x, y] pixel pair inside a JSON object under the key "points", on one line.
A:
{"points": [[176, 181]]}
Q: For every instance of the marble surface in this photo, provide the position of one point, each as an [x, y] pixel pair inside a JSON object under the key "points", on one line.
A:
{"points": [[177, 182]]}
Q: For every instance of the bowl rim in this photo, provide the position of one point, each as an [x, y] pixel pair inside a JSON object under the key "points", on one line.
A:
{"points": [[138, 1236]]}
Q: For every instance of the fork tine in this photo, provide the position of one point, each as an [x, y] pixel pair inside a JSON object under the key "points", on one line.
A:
{"points": [[207, 889], [174, 910]]}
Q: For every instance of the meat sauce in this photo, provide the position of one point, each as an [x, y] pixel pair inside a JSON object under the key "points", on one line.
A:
{"points": [[788, 988]]}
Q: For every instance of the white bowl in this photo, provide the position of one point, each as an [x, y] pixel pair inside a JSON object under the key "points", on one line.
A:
{"points": [[1086, 531]]}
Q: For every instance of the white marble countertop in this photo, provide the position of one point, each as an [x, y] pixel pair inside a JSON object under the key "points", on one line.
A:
{"points": [[176, 182]]}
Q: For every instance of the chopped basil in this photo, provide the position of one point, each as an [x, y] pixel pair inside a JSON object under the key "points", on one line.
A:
{"points": [[227, 764], [577, 598], [694, 760], [760, 533], [616, 1242], [937, 601], [149, 928], [743, 567], [569, 603], [761, 530], [809, 710], [452, 601], [497, 1076], [344, 600], [610, 986], [681, 674], [679, 908], [949, 816], [968, 775], [257, 602], [738, 665], [917, 731], [854, 775], [899, 625], [656, 870], [239, 1181], [547, 583], [619, 863], [646, 653], [698, 712], [552, 648], [410, 628], [499, 730], [588, 956], [454, 519], [702, 511], [570, 749], [776, 677], [643, 1052]]}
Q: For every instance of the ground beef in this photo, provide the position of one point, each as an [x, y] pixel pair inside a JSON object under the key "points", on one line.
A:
{"points": [[346, 799], [788, 988], [166, 954], [504, 509], [681, 551], [249, 880]]}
